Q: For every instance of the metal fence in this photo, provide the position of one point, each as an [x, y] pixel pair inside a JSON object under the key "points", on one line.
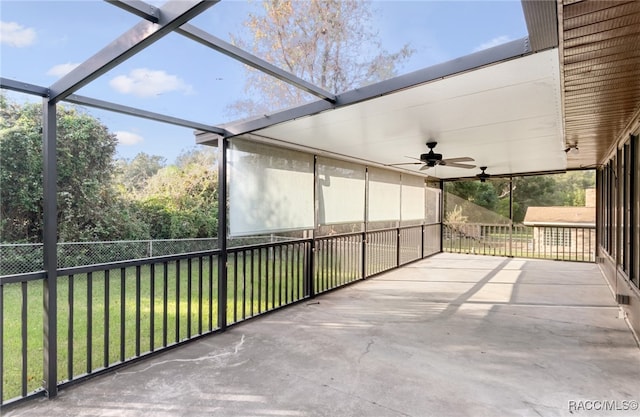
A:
{"points": [[110, 314], [26, 258], [544, 242]]}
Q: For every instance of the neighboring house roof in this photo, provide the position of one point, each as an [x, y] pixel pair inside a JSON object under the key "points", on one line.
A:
{"points": [[560, 216]]}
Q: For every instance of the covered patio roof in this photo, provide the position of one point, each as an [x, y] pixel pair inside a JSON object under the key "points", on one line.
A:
{"points": [[469, 114], [515, 108]]}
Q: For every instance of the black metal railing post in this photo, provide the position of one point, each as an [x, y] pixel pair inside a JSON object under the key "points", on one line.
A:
{"points": [[364, 255], [310, 279], [441, 215], [398, 243]]}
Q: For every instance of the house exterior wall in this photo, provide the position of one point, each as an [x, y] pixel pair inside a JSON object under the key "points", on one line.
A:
{"points": [[618, 223]]}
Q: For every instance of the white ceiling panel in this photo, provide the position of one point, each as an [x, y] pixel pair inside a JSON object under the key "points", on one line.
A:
{"points": [[506, 116]]}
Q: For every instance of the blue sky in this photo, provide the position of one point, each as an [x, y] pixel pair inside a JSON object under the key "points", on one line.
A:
{"points": [[42, 40]]}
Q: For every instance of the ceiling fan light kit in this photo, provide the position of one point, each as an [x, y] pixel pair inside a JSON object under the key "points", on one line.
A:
{"points": [[572, 149], [483, 176]]}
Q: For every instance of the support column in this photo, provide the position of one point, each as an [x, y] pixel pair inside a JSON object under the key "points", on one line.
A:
{"points": [[50, 240], [442, 197], [599, 212], [510, 216], [222, 233], [310, 279], [366, 223]]}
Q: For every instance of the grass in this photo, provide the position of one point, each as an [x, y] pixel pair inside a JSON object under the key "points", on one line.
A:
{"points": [[270, 280]]}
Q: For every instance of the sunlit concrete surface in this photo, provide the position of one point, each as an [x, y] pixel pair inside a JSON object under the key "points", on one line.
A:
{"points": [[452, 335]]}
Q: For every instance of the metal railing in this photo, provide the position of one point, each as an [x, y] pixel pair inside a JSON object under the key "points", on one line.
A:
{"points": [[264, 277], [338, 261], [114, 313], [544, 242]]}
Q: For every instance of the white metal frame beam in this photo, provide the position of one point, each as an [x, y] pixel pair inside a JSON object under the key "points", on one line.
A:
{"points": [[507, 51], [171, 15]]}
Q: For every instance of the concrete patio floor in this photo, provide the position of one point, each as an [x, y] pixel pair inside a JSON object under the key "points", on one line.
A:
{"points": [[451, 335]]}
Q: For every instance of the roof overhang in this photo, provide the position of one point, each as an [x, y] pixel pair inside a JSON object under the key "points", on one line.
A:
{"points": [[559, 224], [589, 73], [501, 107]]}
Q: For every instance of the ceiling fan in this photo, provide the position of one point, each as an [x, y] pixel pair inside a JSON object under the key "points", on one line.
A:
{"points": [[431, 159], [483, 176]]}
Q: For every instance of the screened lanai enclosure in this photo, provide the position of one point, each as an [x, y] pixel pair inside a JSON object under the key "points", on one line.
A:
{"points": [[524, 147]]}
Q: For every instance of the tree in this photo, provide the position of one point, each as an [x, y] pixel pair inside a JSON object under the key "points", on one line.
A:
{"points": [[20, 172], [88, 206], [326, 42], [536, 190], [483, 194], [133, 175], [205, 156], [539, 190], [181, 202], [572, 186]]}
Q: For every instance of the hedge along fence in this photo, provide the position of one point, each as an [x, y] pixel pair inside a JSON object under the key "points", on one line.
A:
{"points": [[28, 257]]}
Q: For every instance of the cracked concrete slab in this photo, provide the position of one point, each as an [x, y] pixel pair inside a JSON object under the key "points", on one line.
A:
{"points": [[451, 335]]}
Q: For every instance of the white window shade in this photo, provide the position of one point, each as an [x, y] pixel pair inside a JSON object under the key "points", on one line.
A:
{"points": [[433, 205], [413, 206], [341, 188], [384, 195], [270, 189]]}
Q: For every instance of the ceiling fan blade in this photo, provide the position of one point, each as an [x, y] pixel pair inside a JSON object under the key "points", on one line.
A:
{"points": [[461, 159], [425, 167], [456, 165], [404, 163], [415, 159]]}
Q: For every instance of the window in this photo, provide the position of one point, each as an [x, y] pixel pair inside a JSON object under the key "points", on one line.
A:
{"points": [[557, 237]]}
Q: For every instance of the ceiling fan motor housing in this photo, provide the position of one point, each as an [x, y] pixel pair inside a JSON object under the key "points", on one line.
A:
{"points": [[431, 156]]}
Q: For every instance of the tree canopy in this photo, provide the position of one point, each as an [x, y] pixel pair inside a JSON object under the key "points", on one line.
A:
{"points": [[329, 43], [85, 151], [99, 197]]}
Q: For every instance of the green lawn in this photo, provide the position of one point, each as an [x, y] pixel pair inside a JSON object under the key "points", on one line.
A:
{"points": [[254, 288], [182, 318]]}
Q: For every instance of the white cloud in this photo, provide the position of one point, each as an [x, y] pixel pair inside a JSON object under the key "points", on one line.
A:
{"points": [[14, 34], [128, 138], [493, 42], [62, 69], [143, 82]]}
